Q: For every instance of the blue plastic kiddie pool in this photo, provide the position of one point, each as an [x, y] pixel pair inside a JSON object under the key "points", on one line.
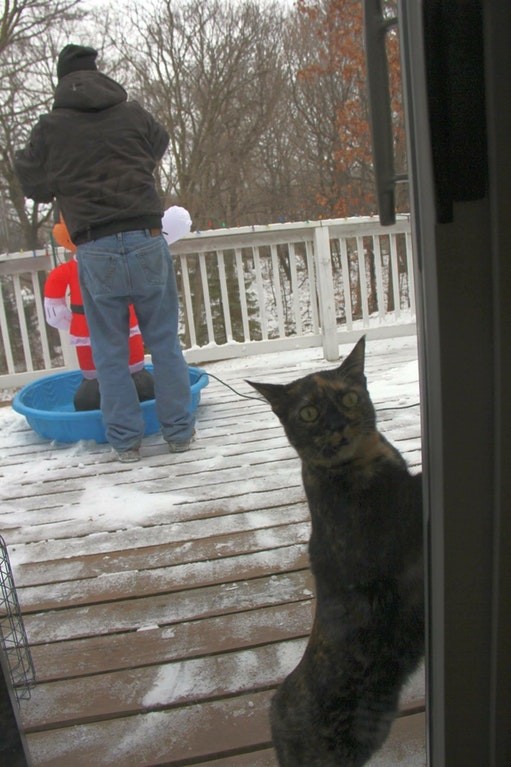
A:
{"points": [[47, 404]]}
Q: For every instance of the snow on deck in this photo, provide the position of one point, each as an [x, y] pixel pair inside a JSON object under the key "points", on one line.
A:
{"points": [[165, 600]]}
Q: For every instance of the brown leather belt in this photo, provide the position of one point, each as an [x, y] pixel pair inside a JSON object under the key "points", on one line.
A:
{"points": [[95, 234]]}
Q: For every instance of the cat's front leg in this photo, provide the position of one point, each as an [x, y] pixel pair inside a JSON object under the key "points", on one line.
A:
{"points": [[297, 727], [289, 723]]}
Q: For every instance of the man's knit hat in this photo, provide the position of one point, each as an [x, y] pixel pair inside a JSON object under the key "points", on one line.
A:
{"points": [[73, 58]]}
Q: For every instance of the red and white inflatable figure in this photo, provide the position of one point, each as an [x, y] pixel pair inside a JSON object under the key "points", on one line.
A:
{"points": [[64, 278]]}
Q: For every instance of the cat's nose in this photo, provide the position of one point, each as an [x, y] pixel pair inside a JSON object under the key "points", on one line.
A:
{"points": [[338, 423]]}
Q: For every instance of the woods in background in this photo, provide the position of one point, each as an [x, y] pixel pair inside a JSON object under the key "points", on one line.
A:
{"points": [[266, 106]]}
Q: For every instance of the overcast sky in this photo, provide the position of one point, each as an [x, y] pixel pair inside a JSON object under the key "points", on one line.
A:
{"points": [[150, 3]]}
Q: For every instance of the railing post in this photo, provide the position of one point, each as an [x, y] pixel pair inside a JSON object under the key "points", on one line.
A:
{"points": [[325, 282]]}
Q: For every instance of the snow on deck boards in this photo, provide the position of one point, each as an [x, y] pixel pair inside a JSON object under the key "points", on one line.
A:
{"points": [[165, 600]]}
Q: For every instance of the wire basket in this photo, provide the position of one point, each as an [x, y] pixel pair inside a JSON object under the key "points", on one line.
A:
{"points": [[13, 638]]}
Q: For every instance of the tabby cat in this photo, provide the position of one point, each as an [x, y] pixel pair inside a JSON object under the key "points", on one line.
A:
{"points": [[335, 709]]}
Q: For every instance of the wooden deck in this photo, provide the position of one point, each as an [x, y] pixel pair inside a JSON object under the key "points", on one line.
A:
{"points": [[164, 601]]}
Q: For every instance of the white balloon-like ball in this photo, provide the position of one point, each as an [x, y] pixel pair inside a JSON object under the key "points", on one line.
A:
{"points": [[175, 223]]}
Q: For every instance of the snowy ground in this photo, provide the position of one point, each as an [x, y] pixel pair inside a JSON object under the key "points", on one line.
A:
{"points": [[392, 373]]}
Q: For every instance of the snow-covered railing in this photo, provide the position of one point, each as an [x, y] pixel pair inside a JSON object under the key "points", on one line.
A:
{"points": [[243, 291]]}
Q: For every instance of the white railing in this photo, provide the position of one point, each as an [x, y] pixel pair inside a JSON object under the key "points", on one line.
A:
{"points": [[243, 291]]}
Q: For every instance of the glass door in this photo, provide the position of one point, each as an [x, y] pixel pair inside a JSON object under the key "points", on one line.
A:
{"points": [[457, 80]]}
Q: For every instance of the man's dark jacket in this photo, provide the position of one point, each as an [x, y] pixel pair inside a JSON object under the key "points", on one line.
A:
{"points": [[96, 153]]}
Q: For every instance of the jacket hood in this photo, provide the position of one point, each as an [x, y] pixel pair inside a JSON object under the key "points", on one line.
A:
{"points": [[88, 91]]}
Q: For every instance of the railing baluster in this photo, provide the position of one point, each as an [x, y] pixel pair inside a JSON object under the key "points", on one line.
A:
{"points": [[6, 339], [363, 281], [346, 284], [313, 287], [23, 323], [225, 296], [187, 296], [243, 294], [207, 300], [277, 289], [295, 289], [260, 293], [380, 293], [395, 276], [41, 320]]}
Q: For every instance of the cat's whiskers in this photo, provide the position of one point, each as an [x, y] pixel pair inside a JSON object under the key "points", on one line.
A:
{"points": [[361, 448], [372, 452]]}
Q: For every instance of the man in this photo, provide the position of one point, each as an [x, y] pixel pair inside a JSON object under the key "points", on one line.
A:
{"points": [[96, 153]]}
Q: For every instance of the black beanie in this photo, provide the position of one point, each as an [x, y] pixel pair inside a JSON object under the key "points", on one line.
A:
{"points": [[73, 58]]}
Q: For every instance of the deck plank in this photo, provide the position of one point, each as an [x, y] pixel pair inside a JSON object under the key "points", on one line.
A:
{"points": [[164, 580], [135, 613], [229, 544], [151, 688], [156, 645], [405, 746], [195, 732], [241, 513]]}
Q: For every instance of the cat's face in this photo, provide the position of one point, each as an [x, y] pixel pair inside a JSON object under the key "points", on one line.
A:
{"points": [[325, 415]]}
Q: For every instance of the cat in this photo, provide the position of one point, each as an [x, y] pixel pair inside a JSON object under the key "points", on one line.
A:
{"points": [[336, 708]]}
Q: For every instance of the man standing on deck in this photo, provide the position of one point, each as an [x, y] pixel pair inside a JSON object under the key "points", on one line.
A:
{"points": [[96, 153]]}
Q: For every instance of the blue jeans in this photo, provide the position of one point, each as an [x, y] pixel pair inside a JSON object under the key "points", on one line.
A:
{"points": [[133, 267]]}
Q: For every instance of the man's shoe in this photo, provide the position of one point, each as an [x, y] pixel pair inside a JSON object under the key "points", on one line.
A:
{"points": [[129, 456], [181, 447]]}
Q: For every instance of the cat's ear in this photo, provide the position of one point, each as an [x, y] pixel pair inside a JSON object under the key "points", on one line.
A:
{"points": [[275, 394], [353, 365]]}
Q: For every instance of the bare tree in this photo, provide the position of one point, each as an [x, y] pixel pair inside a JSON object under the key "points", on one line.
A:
{"points": [[29, 34], [211, 73], [265, 106], [23, 20], [327, 63]]}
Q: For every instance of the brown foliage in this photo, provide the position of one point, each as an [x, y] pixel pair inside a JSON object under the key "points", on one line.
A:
{"points": [[338, 26]]}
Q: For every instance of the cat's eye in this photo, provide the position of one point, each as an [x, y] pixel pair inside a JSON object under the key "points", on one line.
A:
{"points": [[350, 399], [309, 413]]}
